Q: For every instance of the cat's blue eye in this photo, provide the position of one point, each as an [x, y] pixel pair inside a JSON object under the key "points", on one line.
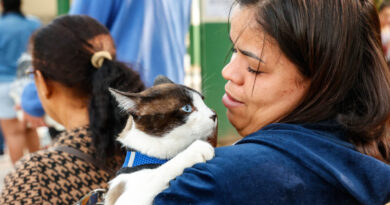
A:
{"points": [[187, 108]]}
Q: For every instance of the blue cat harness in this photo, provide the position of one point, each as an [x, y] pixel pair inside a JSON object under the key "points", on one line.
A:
{"points": [[134, 159]]}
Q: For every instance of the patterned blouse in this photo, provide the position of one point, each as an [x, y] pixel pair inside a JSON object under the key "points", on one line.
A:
{"points": [[56, 177]]}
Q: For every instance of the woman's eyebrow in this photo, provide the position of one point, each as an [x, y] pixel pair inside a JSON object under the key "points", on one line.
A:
{"points": [[247, 53], [251, 55]]}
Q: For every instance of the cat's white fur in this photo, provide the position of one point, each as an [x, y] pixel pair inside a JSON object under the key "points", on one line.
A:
{"points": [[142, 186], [184, 144]]}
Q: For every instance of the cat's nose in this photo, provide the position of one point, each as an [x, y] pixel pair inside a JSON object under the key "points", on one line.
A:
{"points": [[213, 117]]}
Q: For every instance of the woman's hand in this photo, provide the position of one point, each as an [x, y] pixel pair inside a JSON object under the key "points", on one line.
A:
{"points": [[31, 121], [34, 122]]}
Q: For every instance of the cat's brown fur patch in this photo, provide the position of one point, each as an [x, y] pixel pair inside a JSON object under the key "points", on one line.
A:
{"points": [[162, 105], [161, 99]]}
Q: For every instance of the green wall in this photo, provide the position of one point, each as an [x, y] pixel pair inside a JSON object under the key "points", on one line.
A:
{"points": [[214, 54], [63, 7]]}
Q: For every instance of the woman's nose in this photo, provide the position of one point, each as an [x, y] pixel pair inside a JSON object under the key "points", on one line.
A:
{"points": [[233, 70]]}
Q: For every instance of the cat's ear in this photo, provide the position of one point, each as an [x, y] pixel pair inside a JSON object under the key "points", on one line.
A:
{"points": [[161, 80], [126, 100]]}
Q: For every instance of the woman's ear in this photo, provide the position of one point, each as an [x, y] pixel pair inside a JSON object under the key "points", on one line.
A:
{"points": [[43, 87]]}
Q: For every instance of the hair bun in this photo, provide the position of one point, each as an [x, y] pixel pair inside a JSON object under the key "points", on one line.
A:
{"points": [[98, 58]]}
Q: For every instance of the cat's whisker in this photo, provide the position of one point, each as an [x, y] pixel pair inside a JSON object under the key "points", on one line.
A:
{"points": [[208, 85]]}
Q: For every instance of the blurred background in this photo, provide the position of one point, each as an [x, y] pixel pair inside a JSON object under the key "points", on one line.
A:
{"points": [[208, 50]]}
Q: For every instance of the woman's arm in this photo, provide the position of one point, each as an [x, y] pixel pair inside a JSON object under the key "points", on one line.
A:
{"points": [[196, 185]]}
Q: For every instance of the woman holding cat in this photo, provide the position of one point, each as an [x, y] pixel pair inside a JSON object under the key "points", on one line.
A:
{"points": [[309, 90], [74, 64]]}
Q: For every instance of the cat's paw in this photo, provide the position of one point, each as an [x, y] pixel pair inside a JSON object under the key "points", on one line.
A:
{"points": [[199, 151]]}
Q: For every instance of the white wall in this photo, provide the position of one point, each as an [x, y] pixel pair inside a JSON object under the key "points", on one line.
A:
{"points": [[45, 10]]}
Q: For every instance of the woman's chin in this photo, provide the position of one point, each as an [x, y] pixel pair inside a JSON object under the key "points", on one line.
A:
{"points": [[243, 125], [235, 121]]}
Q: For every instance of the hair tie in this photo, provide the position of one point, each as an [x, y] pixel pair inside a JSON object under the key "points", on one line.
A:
{"points": [[98, 58]]}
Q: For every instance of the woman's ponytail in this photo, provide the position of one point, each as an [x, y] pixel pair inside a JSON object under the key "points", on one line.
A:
{"points": [[106, 118]]}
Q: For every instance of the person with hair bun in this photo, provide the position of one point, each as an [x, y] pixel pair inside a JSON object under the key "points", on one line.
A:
{"points": [[308, 89], [74, 63]]}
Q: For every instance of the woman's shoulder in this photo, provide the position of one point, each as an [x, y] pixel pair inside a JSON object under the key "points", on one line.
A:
{"points": [[297, 159], [308, 136], [308, 148], [55, 176], [36, 164], [24, 183], [237, 173], [279, 139], [32, 160], [282, 163], [275, 163]]}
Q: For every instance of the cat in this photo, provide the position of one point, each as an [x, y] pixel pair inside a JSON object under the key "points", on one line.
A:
{"points": [[167, 122]]}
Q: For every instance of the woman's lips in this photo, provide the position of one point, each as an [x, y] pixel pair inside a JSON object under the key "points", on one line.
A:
{"points": [[230, 102]]}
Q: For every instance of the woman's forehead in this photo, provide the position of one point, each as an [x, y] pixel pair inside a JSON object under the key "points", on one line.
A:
{"points": [[243, 21], [245, 15]]}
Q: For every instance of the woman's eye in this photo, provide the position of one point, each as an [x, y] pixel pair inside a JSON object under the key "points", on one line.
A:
{"points": [[187, 108], [234, 50], [254, 71]]}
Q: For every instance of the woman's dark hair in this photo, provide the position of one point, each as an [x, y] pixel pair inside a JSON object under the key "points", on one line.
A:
{"points": [[337, 46], [62, 51], [11, 6], [384, 5]]}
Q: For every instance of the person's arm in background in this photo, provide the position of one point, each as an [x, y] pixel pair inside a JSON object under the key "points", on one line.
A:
{"points": [[31, 105]]}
